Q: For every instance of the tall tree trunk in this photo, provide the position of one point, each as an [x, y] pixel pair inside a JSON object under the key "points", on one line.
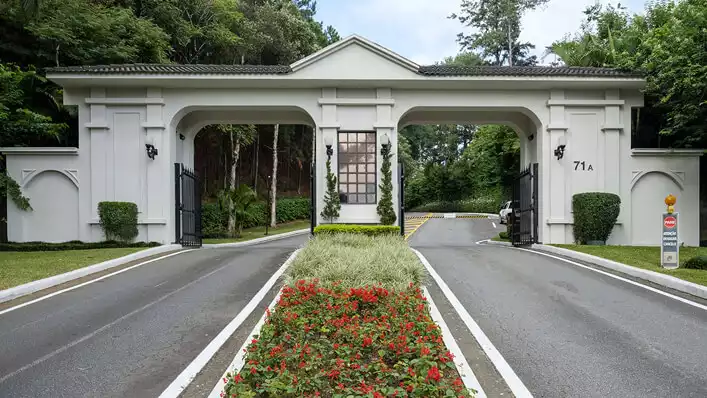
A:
{"points": [[235, 149], [510, 46], [273, 186], [257, 157]]}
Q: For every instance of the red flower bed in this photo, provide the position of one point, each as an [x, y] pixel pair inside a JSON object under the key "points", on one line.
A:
{"points": [[337, 343]]}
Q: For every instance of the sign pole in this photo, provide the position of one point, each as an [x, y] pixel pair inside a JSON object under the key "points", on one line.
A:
{"points": [[669, 241]]}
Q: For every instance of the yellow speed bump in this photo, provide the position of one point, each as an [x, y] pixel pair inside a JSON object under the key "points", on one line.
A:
{"points": [[412, 224]]}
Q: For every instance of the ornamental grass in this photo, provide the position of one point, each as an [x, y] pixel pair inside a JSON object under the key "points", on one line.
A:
{"points": [[358, 260], [362, 330]]}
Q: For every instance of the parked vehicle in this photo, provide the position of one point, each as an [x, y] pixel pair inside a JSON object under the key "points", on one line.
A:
{"points": [[505, 210]]}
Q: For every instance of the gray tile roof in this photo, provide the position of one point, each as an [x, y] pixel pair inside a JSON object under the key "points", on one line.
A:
{"points": [[530, 71], [176, 69], [431, 70]]}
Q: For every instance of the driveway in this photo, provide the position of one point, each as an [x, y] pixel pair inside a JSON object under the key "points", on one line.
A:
{"points": [[565, 330], [131, 334]]}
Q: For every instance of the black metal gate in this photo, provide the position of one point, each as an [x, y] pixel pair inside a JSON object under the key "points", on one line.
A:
{"points": [[401, 198], [187, 211], [524, 223]]}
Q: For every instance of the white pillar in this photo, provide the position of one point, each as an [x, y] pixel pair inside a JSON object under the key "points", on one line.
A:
{"points": [[556, 210]]}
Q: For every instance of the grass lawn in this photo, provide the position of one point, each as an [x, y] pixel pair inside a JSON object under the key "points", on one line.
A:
{"points": [[647, 257], [17, 268], [259, 232]]}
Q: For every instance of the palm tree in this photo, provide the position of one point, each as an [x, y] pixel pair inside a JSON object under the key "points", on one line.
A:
{"points": [[237, 201]]}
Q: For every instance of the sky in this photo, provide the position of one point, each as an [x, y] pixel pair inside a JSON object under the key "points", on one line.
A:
{"points": [[421, 31]]}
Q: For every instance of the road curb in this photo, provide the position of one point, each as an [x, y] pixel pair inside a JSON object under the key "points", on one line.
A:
{"points": [[35, 286], [668, 281], [258, 240], [659, 279]]}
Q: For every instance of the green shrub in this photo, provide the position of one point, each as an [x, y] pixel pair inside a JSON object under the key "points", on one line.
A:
{"points": [[71, 245], [595, 214], [476, 205], [697, 262], [118, 220], [368, 230], [503, 235], [214, 221]]}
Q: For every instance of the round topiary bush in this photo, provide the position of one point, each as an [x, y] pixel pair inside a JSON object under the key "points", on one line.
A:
{"points": [[697, 262], [595, 214]]}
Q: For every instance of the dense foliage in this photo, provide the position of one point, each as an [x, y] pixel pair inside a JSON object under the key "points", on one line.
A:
{"points": [[368, 230], [334, 342], [595, 214], [236, 202], [118, 220], [214, 218], [666, 43]]}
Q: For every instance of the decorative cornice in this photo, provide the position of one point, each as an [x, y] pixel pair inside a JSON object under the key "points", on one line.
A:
{"points": [[356, 101], [124, 101], [585, 102], [65, 151]]}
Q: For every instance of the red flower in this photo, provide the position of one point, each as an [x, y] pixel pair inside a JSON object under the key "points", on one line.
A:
{"points": [[253, 370], [433, 374], [367, 341], [424, 351], [238, 379], [411, 372]]}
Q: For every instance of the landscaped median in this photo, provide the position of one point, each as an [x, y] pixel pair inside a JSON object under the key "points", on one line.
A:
{"points": [[351, 321]]}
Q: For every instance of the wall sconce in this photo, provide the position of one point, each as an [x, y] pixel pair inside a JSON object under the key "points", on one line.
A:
{"points": [[182, 137], [151, 151], [328, 141], [560, 150], [385, 141], [531, 137]]}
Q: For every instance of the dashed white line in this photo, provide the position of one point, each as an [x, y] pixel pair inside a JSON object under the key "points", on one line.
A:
{"points": [[517, 387], [494, 224]]}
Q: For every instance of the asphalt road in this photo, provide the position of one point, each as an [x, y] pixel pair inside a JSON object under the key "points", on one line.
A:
{"points": [[567, 331], [131, 334]]}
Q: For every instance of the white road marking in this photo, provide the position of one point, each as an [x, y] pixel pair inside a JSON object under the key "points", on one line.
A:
{"points": [[494, 224], [652, 289], [91, 281], [465, 372], [239, 361], [190, 372], [481, 242], [160, 284], [105, 327], [517, 387]]}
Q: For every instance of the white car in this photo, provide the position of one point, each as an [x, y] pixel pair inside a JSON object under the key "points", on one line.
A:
{"points": [[505, 210]]}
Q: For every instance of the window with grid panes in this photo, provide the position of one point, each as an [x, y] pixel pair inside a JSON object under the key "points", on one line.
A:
{"points": [[357, 168]]}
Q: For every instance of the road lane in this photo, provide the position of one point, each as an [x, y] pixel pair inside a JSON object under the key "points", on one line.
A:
{"points": [[568, 331], [131, 334]]}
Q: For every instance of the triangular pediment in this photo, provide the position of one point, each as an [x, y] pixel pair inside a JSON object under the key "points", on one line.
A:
{"points": [[354, 58]]}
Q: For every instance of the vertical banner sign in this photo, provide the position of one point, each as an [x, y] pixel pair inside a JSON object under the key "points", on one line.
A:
{"points": [[669, 241]]}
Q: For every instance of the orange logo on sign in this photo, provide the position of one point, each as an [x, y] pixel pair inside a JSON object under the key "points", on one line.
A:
{"points": [[670, 222]]}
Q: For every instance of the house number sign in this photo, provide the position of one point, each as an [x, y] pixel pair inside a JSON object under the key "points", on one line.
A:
{"points": [[582, 165]]}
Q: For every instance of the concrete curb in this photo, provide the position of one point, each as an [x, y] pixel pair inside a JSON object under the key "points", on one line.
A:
{"points": [[258, 240], [35, 286], [663, 280], [668, 281]]}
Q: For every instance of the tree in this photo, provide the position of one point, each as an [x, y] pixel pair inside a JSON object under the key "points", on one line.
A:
{"points": [[497, 25], [237, 201], [18, 124], [385, 205], [666, 44], [332, 203], [273, 184]]}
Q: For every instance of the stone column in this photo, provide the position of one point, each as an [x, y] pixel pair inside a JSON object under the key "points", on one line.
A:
{"points": [[158, 170], [612, 129], [326, 129], [555, 207]]}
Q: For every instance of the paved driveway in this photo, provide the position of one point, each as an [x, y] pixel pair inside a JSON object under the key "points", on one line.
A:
{"points": [[567, 331], [131, 334]]}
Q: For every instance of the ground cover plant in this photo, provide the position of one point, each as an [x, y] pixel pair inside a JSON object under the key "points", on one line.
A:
{"points": [[341, 337]]}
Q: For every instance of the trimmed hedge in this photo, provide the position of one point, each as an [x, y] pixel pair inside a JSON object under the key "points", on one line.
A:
{"points": [[369, 230], [595, 214], [118, 220], [504, 235], [476, 205], [71, 245], [697, 262], [214, 220]]}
